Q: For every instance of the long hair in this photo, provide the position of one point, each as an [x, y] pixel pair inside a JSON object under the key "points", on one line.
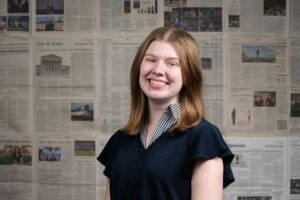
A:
{"points": [[190, 97]]}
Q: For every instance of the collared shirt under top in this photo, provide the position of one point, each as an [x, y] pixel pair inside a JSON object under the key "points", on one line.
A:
{"points": [[169, 118]]}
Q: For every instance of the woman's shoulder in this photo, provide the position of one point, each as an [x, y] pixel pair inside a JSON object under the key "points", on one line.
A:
{"points": [[120, 135], [207, 141], [112, 145], [205, 132], [204, 126]]}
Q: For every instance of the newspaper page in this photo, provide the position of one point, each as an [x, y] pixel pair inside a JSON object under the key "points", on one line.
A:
{"points": [[294, 17], [14, 17], [64, 16], [15, 85], [258, 86], [259, 167], [66, 167], [115, 56], [211, 53], [294, 168], [194, 16], [256, 16], [128, 15], [294, 52], [17, 178], [64, 83]]}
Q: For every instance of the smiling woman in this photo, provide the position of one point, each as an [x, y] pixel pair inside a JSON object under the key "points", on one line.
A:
{"points": [[167, 150]]}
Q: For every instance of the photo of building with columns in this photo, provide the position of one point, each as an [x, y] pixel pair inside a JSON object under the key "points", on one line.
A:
{"points": [[51, 66]]}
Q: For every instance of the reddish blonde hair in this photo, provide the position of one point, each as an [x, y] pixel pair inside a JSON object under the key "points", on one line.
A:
{"points": [[190, 97]]}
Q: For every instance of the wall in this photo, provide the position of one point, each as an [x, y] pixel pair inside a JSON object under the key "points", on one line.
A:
{"points": [[64, 89]]}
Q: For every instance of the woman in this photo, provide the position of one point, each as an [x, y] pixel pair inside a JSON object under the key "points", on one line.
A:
{"points": [[17, 155], [167, 150]]}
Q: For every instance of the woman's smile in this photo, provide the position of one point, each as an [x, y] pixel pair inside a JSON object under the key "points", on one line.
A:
{"points": [[157, 83]]}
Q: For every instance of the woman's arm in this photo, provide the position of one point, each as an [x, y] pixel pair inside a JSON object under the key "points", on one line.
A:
{"points": [[207, 179], [107, 193]]}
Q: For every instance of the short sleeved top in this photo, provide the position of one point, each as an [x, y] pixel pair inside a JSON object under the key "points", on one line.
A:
{"points": [[163, 170]]}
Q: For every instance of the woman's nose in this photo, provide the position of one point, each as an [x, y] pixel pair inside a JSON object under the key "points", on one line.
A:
{"points": [[158, 69]]}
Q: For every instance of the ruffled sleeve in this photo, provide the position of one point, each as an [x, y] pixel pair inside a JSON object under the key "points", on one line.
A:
{"points": [[207, 143], [106, 155]]}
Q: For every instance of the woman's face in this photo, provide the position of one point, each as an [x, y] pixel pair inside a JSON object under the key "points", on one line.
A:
{"points": [[160, 73], [17, 149]]}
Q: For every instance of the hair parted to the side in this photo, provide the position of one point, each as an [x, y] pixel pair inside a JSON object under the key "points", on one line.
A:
{"points": [[190, 97]]}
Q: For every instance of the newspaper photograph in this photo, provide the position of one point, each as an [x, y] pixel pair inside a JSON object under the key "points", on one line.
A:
{"points": [[14, 17], [15, 85], [194, 16], [64, 16], [295, 112], [268, 16], [66, 167], [260, 168], [16, 166], [64, 79]]}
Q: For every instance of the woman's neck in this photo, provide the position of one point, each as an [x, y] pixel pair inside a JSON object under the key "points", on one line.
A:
{"points": [[155, 111]]}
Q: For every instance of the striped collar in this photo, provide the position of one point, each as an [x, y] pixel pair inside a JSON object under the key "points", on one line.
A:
{"points": [[169, 118]]}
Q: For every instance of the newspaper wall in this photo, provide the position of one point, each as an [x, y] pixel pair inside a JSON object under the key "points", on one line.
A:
{"points": [[64, 89]]}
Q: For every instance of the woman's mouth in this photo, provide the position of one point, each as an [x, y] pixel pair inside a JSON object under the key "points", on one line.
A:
{"points": [[157, 83]]}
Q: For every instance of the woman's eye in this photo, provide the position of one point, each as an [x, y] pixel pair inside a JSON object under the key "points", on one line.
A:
{"points": [[173, 64], [150, 59]]}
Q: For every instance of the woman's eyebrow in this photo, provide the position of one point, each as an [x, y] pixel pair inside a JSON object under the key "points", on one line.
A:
{"points": [[169, 58]]}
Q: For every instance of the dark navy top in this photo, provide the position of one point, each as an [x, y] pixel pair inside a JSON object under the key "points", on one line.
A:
{"points": [[164, 170]]}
